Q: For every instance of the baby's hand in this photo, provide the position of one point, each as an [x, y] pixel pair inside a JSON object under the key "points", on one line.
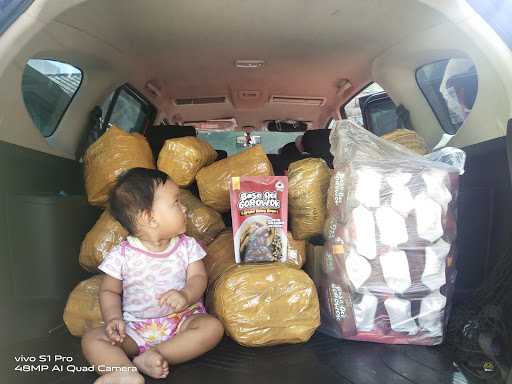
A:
{"points": [[115, 331], [174, 299]]}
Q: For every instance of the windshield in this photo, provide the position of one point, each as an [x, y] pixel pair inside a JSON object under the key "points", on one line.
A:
{"points": [[271, 141]]}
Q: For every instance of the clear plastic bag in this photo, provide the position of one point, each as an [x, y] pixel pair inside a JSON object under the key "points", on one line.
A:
{"points": [[408, 139], [388, 262], [452, 156]]}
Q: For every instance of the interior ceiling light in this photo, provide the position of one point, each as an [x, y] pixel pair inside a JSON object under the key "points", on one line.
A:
{"points": [[249, 64]]}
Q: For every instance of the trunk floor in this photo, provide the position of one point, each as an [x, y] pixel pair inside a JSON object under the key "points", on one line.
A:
{"points": [[322, 360]]}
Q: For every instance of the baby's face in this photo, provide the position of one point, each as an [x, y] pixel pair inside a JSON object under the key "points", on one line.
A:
{"points": [[168, 212]]}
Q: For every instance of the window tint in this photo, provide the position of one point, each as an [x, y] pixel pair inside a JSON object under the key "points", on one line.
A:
{"points": [[129, 110], [379, 114], [48, 87], [373, 109], [353, 109], [128, 114], [450, 87]]}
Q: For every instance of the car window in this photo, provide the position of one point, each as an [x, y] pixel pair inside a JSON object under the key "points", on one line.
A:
{"points": [[450, 87], [379, 114], [373, 109], [48, 87], [227, 141], [128, 109], [128, 113], [352, 110], [331, 123]]}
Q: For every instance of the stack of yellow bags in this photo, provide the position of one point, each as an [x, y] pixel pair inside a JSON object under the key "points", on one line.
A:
{"points": [[258, 304]]}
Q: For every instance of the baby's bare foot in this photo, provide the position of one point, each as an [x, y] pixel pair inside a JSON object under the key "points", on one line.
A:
{"points": [[152, 364], [121, 378]]}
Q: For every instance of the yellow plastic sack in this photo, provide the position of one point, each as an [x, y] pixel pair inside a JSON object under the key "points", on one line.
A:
{"points": [[212, 180], [99, 241], [266, 304], [182, 158], [308, 181], [409, 139], [203, 222], [220, 255], [313, 265], [113, 153], [296, 252], [82, 311]]}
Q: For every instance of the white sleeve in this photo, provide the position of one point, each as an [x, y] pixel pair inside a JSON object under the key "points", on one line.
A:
{"points": [[113, 264], [194, 250]]}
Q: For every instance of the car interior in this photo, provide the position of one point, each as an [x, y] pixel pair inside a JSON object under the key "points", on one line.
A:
{"points": [[236, 73]]}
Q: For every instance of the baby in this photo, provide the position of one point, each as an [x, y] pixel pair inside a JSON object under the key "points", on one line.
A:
{"points": [[158, 276]]}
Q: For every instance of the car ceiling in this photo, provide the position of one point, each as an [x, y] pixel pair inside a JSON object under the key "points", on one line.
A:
{"points": [[188, 48]]}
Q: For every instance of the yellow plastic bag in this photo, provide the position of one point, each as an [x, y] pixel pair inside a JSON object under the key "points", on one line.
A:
{"points": [[203, 222], [112, 154], [220, 256], [266, 304], [100, 240], [313, 265], [182, 158], [82, 311], [308, 181], [212, 180], [409, 139], [296, 252]]}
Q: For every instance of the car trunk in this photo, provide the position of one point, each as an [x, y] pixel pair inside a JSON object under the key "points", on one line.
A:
{"points": [[44, 216]]}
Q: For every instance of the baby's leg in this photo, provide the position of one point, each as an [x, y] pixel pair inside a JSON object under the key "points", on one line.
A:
{"points": [[197, 335], [98, 350]]}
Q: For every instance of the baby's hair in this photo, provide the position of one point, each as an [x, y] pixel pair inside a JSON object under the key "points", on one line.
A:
{"points": [[133, 194]]}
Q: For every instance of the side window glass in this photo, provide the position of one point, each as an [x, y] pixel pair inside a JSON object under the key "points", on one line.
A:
{"points": [[379, 114], [331, 123], [450, 87], [129, 110], [352, 110], [48, 87], [373, 109]]}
